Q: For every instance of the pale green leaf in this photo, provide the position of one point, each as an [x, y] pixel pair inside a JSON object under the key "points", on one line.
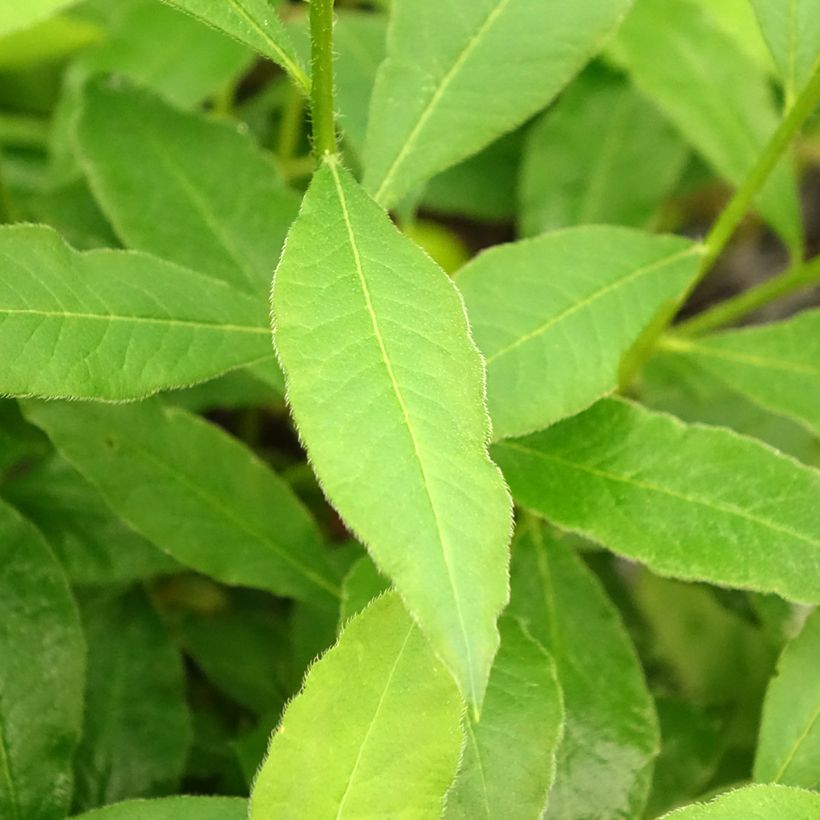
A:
{"points": [[362, 583], [195, 492], [754, 803], [737, 18], [253, 23], [93, 545], [386, 388], [792, 30], [602, 155], [611, 733], [508, 763], [19, 14], [192, 190], [173, 808], [681, 60], [788, 749], [115, 325], [42, 675], [137, 729], [50, 41], [554, 315], [460, 74], [690, 501], [395, 715], [776, 366]]}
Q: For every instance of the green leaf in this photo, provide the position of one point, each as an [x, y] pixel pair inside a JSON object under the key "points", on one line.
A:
{"points": [[137, 728], [114, 325], [754, 803], [789, 745], [554, 315], [602, 155], [195, 191], [671, 495], [776, 366], [395, 715], [42, 676], [15, 16], [361, 585], [47, 42], [93, 545], [792, 32], [682, 61], [460, 75], [508, 764], [566, 610], [196, 492], [385, 384], [253, 23], [173, 808]]}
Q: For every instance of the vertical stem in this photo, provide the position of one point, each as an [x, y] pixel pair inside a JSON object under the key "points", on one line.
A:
{"points": [[321, 95]]}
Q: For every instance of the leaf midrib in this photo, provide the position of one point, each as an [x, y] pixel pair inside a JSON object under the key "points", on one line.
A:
{"points": [[799, 740], [405, 414]]}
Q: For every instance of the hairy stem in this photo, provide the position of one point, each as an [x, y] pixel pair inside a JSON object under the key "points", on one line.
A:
{"points": [[726, 313], [321, 95]]}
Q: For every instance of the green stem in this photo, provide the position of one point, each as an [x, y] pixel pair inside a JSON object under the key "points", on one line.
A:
{"points": [[321, 95], [726, 313], [290, 129]]}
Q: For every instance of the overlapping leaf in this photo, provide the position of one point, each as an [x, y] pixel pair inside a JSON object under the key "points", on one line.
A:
{"points": [[114, 325], [395, 715], [689, 501], [461, 74], [386, 388], [554, 315], [754, 803]]}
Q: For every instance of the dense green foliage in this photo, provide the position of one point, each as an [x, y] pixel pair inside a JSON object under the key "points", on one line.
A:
{"points": [[409, 409]]}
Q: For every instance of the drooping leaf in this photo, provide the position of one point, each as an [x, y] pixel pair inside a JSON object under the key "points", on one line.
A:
{"points": [[42, 675], [776, 366], [681, 60], [385, 382], [361, 585], [692, 502], [602, 155], [788, 749], [253, 23], [194, 191], [792, 32], [508, 763], [195, 492], [93, 545], [137, 728], [567, 611], [16, 16], [114, 325], [554, 315], [754, 803], [380, 764], [461, 74], [173, 808]]}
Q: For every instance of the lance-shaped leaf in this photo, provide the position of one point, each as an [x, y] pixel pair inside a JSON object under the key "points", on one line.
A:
{"points": [[792, 31], [685, 63], [173, 808], [554, 315], [754, 803], [192, 190], [566, 610], [776, 366], [603, 154], [395, 714], [137, 729], [16, 16], [42, 675], [460, 74], [690, 501], [508, 763], [114, 325], [386, 387], [253, 23], [788, 748], [196, 492]]}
